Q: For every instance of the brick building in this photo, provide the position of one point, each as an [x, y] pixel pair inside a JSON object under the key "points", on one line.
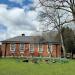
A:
{"points": [[29, 46]]}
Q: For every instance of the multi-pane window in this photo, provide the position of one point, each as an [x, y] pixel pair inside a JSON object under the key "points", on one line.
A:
{"points": [[31, 48], [40, 48], [21, 47], [12, 47], [49, 47]]}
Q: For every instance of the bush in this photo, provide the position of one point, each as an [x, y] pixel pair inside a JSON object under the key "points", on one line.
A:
{"points": [[26, 60], [35, 60]]}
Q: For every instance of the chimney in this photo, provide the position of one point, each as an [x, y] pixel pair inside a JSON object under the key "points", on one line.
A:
{"points": [[23, 34]]}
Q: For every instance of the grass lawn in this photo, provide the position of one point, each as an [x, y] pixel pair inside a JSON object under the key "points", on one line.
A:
{"points": [[13, 67]]}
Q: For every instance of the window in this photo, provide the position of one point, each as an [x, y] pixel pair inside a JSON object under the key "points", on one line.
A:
{"points": [[21, 47], [50, 48], [31, 48], [40, 48], [12, 47]]}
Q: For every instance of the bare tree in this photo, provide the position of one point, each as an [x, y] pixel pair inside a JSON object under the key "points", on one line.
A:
{"points": [[51, 16], [65, 5]]}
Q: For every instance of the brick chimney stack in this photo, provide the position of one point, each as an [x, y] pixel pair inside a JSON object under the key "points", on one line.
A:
{"points": [[23, 34]]}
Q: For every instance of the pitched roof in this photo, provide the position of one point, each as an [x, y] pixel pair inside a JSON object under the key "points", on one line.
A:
{"points": [[19, 39], [30, 39]]}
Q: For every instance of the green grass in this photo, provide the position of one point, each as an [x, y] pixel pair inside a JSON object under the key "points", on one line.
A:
{"points": [[14, 67]]}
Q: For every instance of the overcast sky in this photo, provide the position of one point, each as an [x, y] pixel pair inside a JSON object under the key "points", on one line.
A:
{"points": [[17, 17]]}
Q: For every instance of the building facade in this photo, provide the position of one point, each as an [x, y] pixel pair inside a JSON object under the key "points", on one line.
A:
{"points": [[27, 46]]}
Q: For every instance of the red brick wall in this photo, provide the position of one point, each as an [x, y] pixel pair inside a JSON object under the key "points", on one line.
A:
{"points": [[53, 50], [36, 50], [3, 49], [45, 50], [26, 51], [17, 53], [56, 51], [7, 50], [0, 51]]}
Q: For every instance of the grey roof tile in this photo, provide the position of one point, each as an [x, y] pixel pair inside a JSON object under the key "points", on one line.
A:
{"points": [[31, 39]]}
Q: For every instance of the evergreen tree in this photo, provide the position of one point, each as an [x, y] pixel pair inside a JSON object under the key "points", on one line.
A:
{"points": [[68, 37]]}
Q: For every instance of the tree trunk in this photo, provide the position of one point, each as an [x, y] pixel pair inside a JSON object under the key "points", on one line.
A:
{"points": [[50, 54], [62, 45]]}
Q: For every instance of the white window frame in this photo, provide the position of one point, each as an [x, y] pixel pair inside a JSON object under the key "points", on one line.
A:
{"points": [[11, 48], [20, 48], [30, 49], [50, 45], [39, 48]]}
